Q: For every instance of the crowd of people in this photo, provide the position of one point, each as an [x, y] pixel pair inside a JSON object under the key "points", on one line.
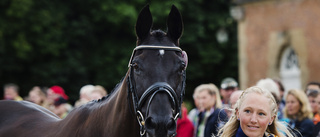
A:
{"points": [[54, 98], [263, 110], [266, 109]]}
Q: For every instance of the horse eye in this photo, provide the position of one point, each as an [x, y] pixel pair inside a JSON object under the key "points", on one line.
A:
{"points": [[135, 66], [182, 67]]}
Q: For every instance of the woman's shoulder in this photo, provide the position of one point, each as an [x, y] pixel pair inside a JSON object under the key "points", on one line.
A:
{"points": [[221, 113], [307, 121]]}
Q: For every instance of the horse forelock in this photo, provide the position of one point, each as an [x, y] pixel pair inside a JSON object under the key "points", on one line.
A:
{"points": [[158, 33]]}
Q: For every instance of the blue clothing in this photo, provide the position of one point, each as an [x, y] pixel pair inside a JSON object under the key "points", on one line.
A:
{"points": [[214, 122], [305, 127], [240, 133], [281, 107]]}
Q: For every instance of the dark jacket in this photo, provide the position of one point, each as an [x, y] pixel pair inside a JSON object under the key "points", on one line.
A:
{"points": [[240, 133], [214, 122], [316, 130], [305, 127]]}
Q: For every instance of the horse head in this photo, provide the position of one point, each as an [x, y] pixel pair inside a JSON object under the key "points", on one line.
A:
{"points": [[157, 74]]}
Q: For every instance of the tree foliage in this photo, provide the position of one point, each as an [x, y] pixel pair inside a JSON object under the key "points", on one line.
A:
{"points": [[77, 42]]}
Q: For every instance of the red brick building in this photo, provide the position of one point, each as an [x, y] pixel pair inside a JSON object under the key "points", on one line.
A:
{"points": [[278, 39]]}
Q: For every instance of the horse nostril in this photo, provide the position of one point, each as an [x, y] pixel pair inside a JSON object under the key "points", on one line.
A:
{"points": [[150, 124], [171, 125]]}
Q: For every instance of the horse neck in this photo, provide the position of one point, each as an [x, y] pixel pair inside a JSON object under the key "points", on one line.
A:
{"points": [[108, 117]]}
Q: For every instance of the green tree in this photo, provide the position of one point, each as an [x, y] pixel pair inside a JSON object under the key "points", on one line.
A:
{"points": [[73, 43]]}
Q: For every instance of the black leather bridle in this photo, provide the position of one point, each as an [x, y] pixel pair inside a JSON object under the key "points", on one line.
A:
{"points": [[153, 89]]}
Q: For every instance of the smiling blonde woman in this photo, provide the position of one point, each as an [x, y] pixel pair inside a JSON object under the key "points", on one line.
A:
{"points": [[255, 115]]}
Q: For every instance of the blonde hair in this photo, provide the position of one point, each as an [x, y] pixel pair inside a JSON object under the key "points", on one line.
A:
{"points": [[213, 90], [86, 89], [100, 89], [305, 110], [231, 127], [270, 85]]}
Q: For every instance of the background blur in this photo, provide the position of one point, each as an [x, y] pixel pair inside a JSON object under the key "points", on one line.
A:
{"points": [[77, 42]]}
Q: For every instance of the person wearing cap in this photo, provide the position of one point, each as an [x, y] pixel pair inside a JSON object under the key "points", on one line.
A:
{"points": [[313, 85], [56, 93], [227, 87], [58, 100]]}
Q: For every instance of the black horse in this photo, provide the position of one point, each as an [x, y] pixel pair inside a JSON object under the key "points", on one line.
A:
{"points": [[146, 102]]}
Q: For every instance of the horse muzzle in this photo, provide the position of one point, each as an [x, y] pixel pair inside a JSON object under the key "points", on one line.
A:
{"points": [[162, 111]]}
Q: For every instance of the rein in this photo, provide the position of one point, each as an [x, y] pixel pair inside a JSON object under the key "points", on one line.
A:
{"points": [[153, 90]]}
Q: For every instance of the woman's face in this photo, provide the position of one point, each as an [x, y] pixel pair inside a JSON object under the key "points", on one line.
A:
{"points": [[35, 98], [205, 100], [292, 104], [255, 115], [51, 96]]}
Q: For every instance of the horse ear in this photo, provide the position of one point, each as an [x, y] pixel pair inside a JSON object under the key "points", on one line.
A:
{"points": [[144, 23], [175, 24]]}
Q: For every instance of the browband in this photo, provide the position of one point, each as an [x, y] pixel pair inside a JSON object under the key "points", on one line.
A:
{"points": [[152, 47]]}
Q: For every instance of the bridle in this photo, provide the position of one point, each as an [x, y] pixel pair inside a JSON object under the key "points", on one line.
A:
{"points": [[153, 89]]}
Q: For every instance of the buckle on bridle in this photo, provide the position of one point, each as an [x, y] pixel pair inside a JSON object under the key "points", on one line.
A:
{"points": [[176, 117], [141, 122]]}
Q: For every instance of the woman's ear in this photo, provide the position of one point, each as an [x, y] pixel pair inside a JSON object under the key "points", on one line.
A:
{"points": [[272, 119]]}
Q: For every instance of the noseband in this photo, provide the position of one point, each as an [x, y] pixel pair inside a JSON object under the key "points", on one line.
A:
{"points": [[153, 90]]}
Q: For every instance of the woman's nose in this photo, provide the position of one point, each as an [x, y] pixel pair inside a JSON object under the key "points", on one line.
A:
{"points": [[253, 119]]}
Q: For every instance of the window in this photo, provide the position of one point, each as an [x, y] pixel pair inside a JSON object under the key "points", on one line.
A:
{"points": [[290, 70]]}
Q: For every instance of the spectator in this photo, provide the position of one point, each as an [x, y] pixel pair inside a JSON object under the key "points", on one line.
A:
{"points": [[211, 117], [98, 92], [55, 97], [85, 95], [184, 125], [299, 112], [254, 115], [11, 92], [228, 86], [37, 96], [193, 114], [269, 85], [56, 93], [62, 109], [282, 102], [312, 97], [233, 100], [316, 131], [313, 85]]}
